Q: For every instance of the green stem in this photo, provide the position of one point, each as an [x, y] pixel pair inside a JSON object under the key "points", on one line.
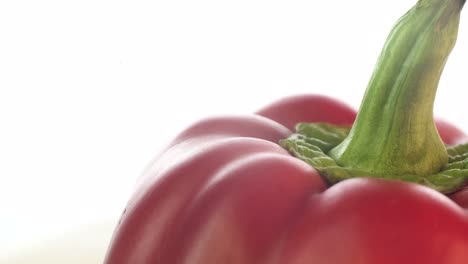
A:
{"points": [[394, 132], [394, 136]]}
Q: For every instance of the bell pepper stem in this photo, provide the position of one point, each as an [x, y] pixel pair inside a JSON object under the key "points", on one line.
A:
{"points": [[394, 135], [394, 132]]}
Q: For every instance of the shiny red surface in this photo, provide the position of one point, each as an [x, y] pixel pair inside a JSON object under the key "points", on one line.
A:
{"points": [[225, 192]]}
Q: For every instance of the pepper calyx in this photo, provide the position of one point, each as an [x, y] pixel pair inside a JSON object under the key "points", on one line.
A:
{"points": [[313, 141]]}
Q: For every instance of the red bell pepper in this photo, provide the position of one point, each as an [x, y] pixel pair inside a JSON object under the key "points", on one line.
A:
{"points": [[225, 191]]}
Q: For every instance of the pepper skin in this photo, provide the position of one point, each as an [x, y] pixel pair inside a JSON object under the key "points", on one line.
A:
{"points": [[225, 192]]}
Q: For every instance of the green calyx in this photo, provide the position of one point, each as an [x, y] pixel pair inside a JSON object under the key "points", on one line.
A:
{"points": [[394, 135], [312, 142]]}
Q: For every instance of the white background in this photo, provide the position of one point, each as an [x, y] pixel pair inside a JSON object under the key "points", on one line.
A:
{"points": [[91, 90]]}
